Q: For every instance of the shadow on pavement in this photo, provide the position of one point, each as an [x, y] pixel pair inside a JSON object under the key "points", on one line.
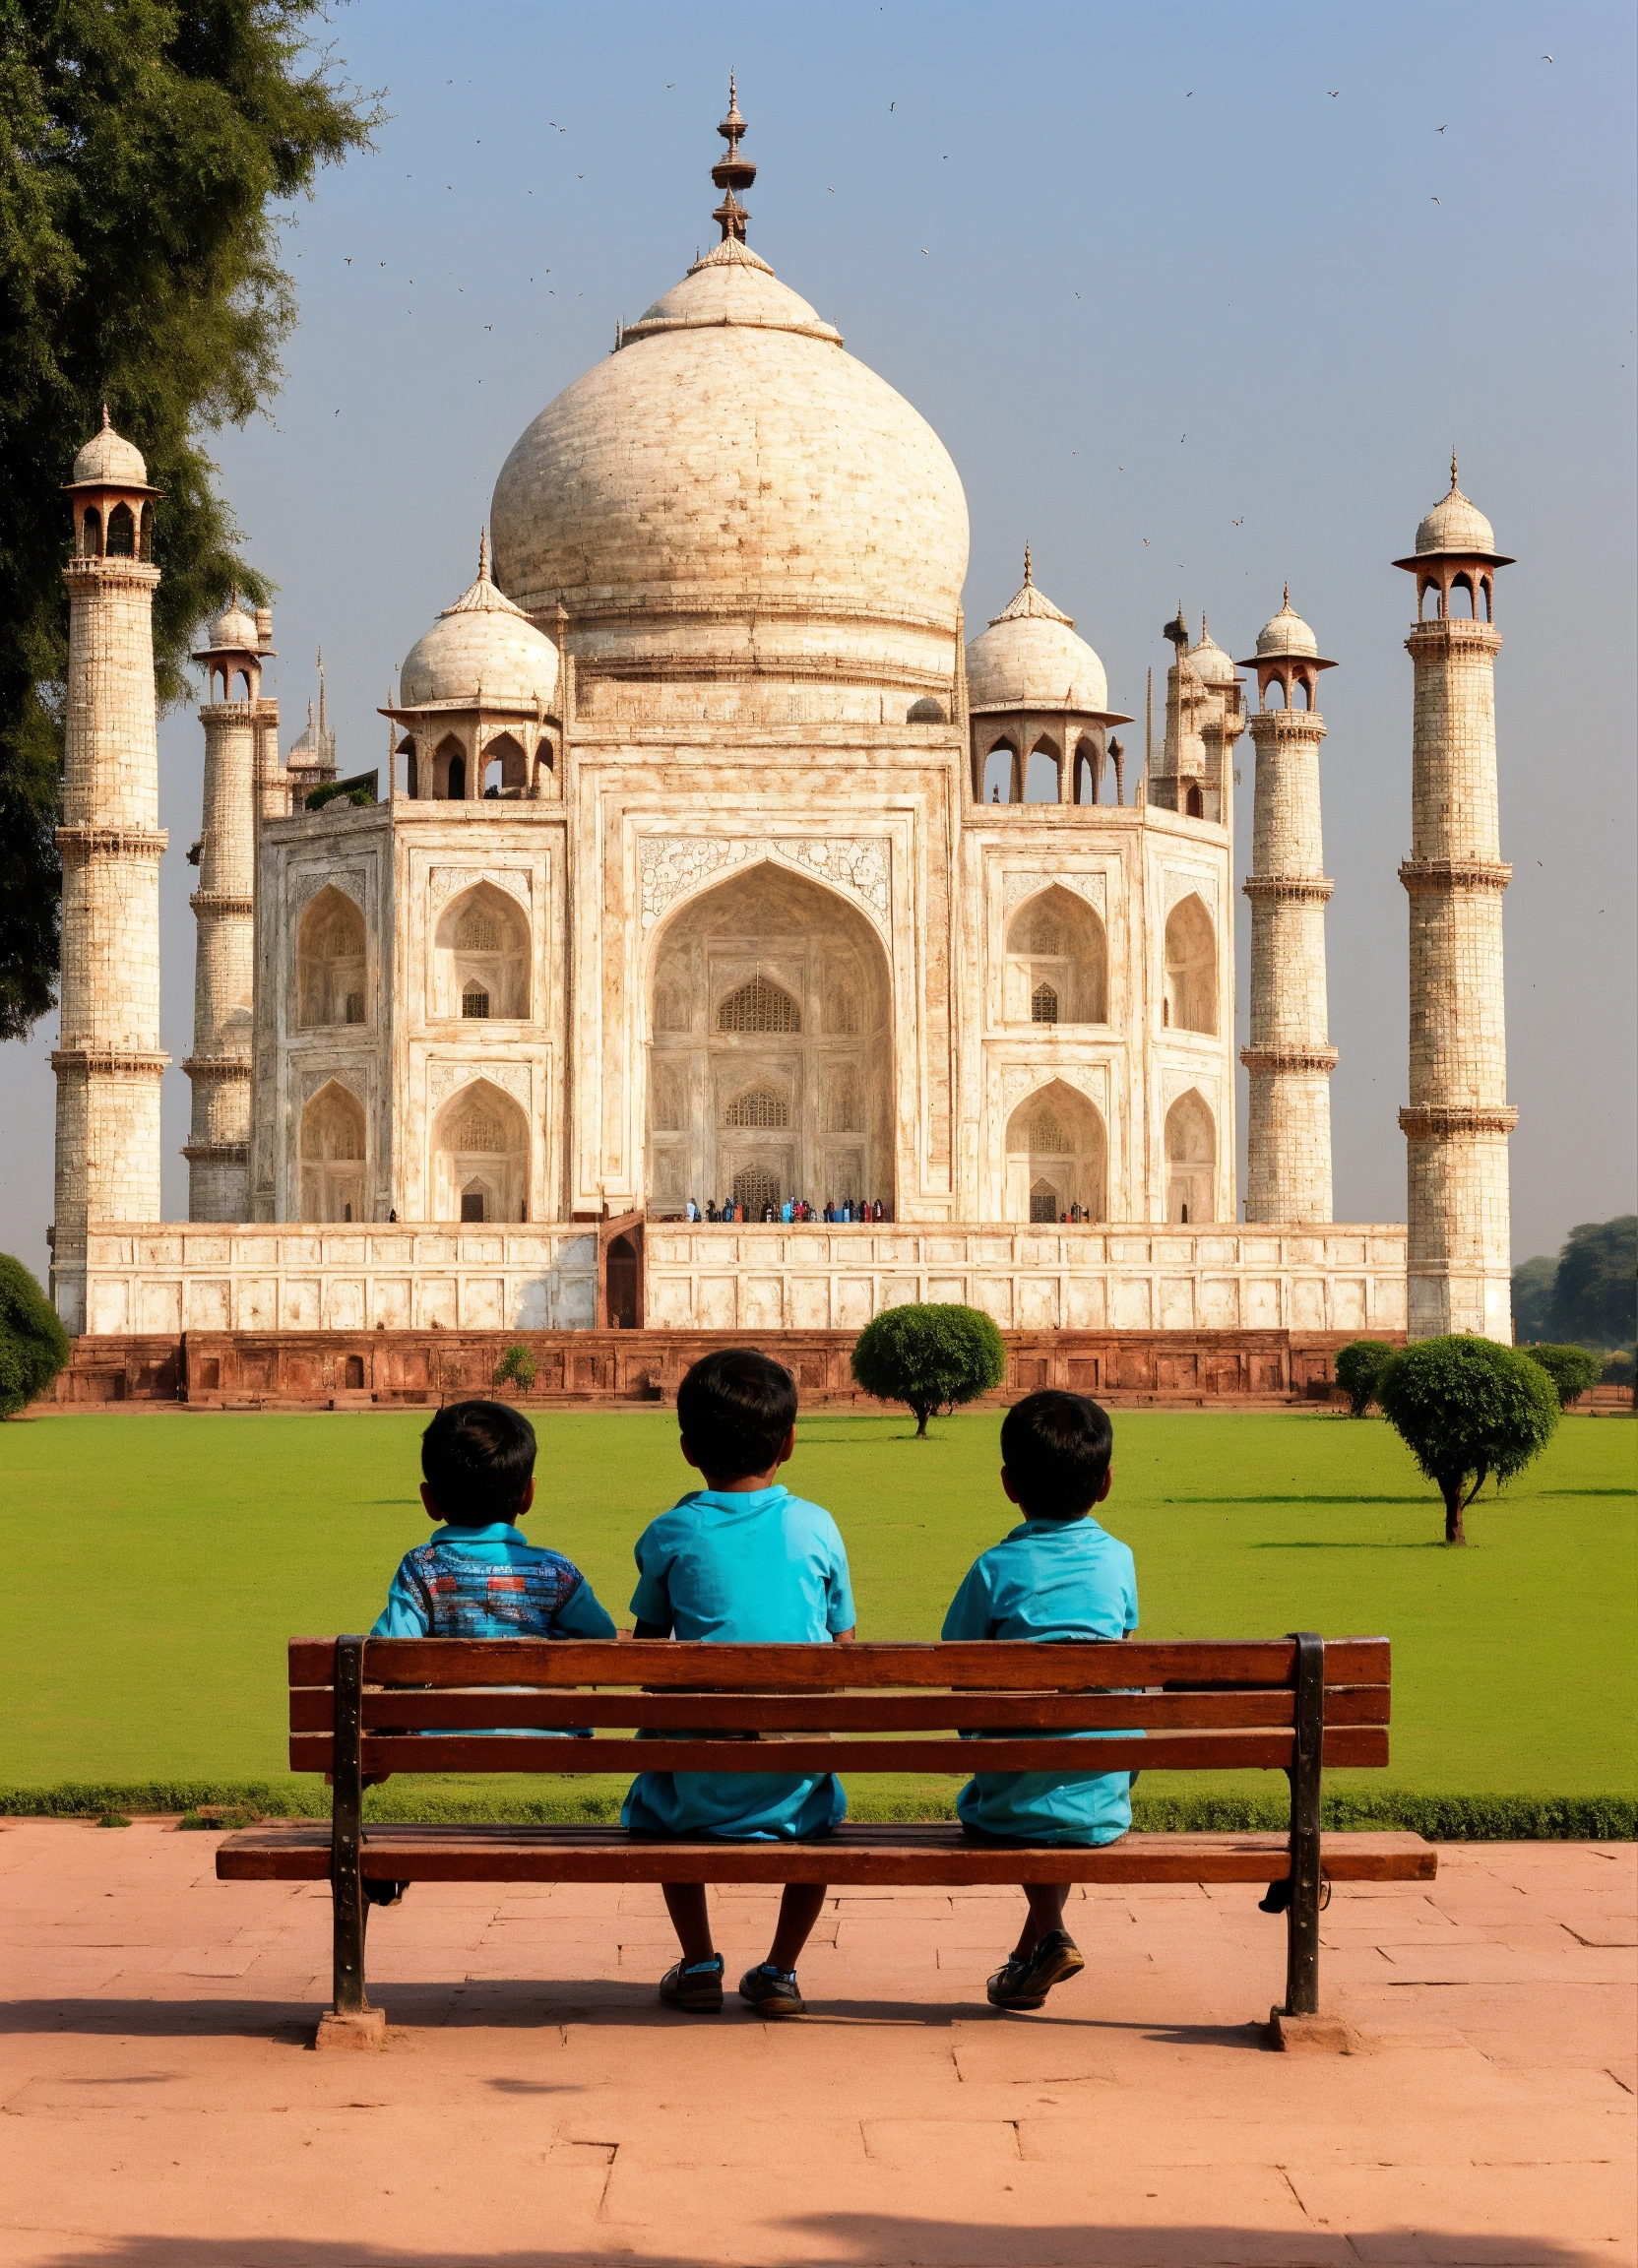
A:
{"points": [[871, 2240]]}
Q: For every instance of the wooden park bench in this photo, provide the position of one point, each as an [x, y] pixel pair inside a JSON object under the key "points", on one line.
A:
{"points": [[363, 1707]]}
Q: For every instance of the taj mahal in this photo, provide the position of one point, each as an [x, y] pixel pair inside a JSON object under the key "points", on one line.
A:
{"points": [[698, 873]]}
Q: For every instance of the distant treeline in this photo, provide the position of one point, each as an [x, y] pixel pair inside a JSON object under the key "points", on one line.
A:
{"points": [[1589, 1296]]}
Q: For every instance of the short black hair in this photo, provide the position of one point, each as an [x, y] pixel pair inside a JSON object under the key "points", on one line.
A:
{"points": [[477, 1458], [736, 1408], [1056, 1450]]}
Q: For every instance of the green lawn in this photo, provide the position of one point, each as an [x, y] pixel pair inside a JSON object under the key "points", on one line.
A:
{"points": [[159, 1562]]}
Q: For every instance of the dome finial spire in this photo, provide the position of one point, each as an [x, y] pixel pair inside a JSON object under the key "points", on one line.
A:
{"points": [[1452, 468], [1286, 596], [107, 421], [483, 554], [1028, 577], [732, 171]]}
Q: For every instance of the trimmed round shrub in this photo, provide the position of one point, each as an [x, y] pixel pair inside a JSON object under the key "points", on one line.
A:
{"points": [[1469, 1411], [1358, 1365], [933, 1358], [1571, 1369], [33, 1346]]}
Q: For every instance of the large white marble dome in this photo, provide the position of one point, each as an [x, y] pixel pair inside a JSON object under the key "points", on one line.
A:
{"points": [[732, 492]]}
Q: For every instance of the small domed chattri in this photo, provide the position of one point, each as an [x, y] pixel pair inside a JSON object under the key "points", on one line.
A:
{"points": [[1208, 660], [1285, 633], [109, 459]]}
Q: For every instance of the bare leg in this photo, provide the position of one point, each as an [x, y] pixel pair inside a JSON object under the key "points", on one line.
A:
{"points": [[1046, 1904], [799, 1909], [690, 1919]]}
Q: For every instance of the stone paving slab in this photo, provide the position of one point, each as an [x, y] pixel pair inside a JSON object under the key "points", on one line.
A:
{"points": [[534, 2106]]}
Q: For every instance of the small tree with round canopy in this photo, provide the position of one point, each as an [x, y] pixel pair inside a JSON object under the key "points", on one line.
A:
{"points": [[33, 1346], [1360, 1364], [1571, 1369], [934, 1357], [1469, 1411]]}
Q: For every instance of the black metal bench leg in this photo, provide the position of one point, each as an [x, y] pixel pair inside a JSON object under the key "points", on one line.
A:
{"points": [[1302, 1913], [351, 2020]]}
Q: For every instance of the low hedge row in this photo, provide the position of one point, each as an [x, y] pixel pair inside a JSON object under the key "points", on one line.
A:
{"points": [[1442, 1818]]}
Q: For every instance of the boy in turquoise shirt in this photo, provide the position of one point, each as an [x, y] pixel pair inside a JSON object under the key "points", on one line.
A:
{"points": [[740, 1560], [1057, 1578]]}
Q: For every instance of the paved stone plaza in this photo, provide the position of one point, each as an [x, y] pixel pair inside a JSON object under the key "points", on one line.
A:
{"points": [[537, 2109]]}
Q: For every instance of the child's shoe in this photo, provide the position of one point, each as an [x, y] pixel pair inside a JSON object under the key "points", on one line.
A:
{"points": [[1026, 1984], [773, 1991], [695, 1985]]}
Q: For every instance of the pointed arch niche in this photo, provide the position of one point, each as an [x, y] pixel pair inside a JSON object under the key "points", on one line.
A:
{"points": [[480, 1156], [1190, 1159], [1057, 1156], [1057, 962], [481, 958], [1189, 999], [330, 962], [333, 1143], [770, 1048]]}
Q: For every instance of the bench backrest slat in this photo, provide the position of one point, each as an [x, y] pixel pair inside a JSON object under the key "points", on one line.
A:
{"points": [[1005, 1667], [1266, 1751], [460, 1710]]}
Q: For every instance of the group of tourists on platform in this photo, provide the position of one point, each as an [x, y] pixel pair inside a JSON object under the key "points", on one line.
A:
{"points": [[794, 1209]]}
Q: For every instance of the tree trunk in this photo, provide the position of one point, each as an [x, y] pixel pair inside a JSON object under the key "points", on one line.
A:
{"points": [[1455, 1532], [922, 1415]]}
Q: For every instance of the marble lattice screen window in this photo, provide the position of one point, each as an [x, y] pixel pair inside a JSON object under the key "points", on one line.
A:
{"points": [[759, 1006], [758, 1106], [1044, 1005], [756, 1188]]}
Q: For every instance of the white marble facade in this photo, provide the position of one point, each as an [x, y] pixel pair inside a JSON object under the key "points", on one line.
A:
{"points": [[704, 871]]}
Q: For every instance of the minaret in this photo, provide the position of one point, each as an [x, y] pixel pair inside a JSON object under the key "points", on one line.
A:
{"points": [[1290, 1059], [218, 1149], [1457, 1123], [110, 1061]]}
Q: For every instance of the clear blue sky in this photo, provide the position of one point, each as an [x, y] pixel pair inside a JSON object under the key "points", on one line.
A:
{"points": [[1198, 297]]}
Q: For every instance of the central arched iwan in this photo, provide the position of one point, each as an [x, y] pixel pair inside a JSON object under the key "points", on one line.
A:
{"points": [[771, 1044]]}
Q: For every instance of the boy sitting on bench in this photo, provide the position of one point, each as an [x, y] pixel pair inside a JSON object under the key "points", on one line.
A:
{"points": [[477, 1577], [740, 1560], [1059, 1577]]}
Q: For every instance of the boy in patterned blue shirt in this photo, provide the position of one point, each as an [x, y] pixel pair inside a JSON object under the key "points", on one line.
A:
{"points": [[477, 1577], [1058, 1578]]}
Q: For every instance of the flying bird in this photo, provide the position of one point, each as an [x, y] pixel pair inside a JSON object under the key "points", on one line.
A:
{"points": [[1333, 92], [1438, 200], [891, 106], [349, 263], [1240, 522], [1546, 58], [1438, 129]]}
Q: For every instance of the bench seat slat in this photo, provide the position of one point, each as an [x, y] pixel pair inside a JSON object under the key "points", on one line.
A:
{"points": [[932, 1854], [401, 1710], [1362, 1744], [1007, 1665]]}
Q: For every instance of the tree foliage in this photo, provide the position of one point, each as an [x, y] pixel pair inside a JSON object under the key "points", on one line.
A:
{"points": [[934, 1357], [145, 149], [1594, 1292], [1469, 1411], [516, 1368], [1359, 1367], [33, 1346], [1533, 1281], [1571, 1369]]}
